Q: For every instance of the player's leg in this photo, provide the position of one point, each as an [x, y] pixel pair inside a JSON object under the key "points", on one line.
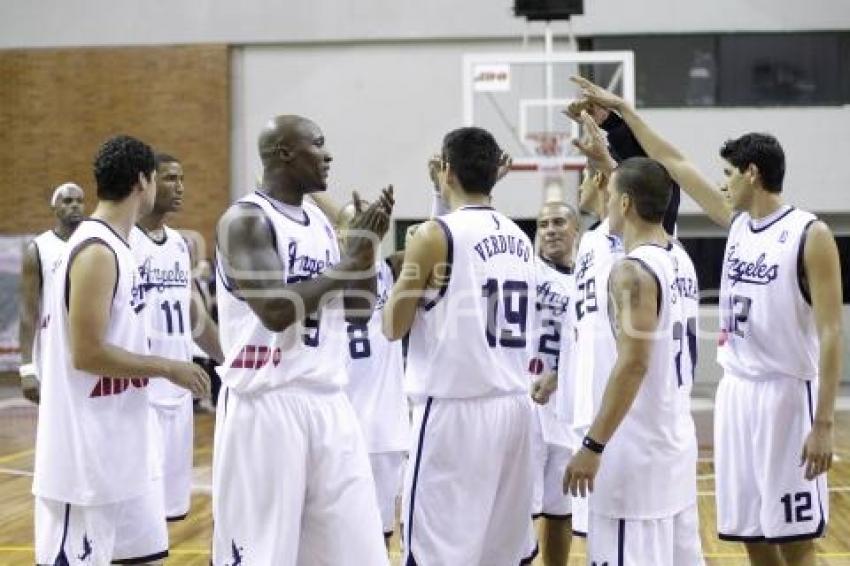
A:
{"points": [[764, 553], [341, 521], [259, 478], [799, 553], [141, 533], [538, 465], [555, 524], [73, 534], [387, 472]]}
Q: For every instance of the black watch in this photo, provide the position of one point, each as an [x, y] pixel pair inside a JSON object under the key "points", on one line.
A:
{"points": [[592, 445]]}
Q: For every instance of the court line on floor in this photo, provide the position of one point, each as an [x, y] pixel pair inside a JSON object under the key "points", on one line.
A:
{"points": [[16, 455]]}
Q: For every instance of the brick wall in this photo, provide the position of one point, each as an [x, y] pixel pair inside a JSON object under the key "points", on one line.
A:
{"points": [[58, 105]]}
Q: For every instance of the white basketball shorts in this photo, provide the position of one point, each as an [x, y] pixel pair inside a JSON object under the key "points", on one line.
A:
{"points": [[387, 470], [760, 428], [579, 506], [128, 532], [672, 541], [469, 482], [550, 463], [175, 434], [292, 483]]}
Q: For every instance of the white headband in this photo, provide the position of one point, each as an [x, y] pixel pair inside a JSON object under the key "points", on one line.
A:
{"points": [[57, 194]]}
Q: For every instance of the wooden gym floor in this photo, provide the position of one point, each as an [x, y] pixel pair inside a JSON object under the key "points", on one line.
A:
{"points": [[190, 539]]}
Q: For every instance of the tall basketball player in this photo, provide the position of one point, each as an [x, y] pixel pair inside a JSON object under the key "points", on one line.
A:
{"points": [[291, 477], [552, 440], [37, 281], [596, 348], [639, 456], [780, 345], [464, 296], [173, 317], [95, 499]]}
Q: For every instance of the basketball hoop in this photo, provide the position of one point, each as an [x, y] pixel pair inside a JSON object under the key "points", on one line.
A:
{"points": [[548, 152]]}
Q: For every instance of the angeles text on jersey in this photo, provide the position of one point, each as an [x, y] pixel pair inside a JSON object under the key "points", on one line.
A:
{"points": [[756, 272], [161, 279], [548, 298], [303, 267]]}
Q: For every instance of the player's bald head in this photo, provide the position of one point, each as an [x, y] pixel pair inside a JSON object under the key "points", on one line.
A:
{"points": [[283, 132]]}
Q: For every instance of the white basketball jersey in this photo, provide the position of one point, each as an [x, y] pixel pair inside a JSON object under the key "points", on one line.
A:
{"points": [[648, 469], [50, 248], [596, 346], [556, 320], [376, 377], [767, 327], [165, 271], [311, 353], [475, 335], [93, 437]]}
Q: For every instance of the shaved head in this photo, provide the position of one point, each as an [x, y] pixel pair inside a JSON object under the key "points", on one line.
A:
{"points": [[282, 132]]}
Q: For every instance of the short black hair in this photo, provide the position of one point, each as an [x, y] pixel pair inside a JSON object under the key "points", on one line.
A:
{"points": [[648, 184], [763, 151], [117, 166], [474, 156], [161, 158]]}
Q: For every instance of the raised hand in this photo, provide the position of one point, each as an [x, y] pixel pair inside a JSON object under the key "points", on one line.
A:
{"points": [[576, 107], [434, 164], [368, 227], [597, 95], [505, 163], [594, 145]]}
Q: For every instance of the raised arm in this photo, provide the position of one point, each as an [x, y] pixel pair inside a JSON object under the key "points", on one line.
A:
{"points": [[635, 295], [31, 286], [424, 263], [681, 170], [92, 278], [823, 278]]}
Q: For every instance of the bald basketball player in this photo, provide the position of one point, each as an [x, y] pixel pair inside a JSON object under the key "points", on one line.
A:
{"points": [[291, 477], [39, 262]]}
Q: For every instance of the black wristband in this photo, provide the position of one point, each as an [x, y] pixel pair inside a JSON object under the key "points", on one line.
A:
{"points": [[592, 445]]}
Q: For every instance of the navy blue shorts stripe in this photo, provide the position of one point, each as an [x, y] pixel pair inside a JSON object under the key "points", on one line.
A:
{"points": [[621, 543], [819, 531], [410, 560]]}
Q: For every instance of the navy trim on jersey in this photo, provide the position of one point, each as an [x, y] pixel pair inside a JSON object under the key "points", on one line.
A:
{"points": [[411, 561], [77, 249], [225, 282], [271, 200], [530, 558], [142, 559], [771, 223], [111, 229], [654, 276], [667, 248], [151, 238], [40, 268], [476, 207], [801, 266], [579, 534], [621, 543], [565, 269], [444, 285], [175, 518], [594, 226]]}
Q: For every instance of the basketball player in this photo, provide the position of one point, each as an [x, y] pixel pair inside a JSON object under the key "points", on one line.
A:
{"points": [[596, 348], [463, 294], [552, 441], [780, 346], [172, 317], [639, 456], [291, 477], [376, 390], [95, 498], [37, 281]]}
